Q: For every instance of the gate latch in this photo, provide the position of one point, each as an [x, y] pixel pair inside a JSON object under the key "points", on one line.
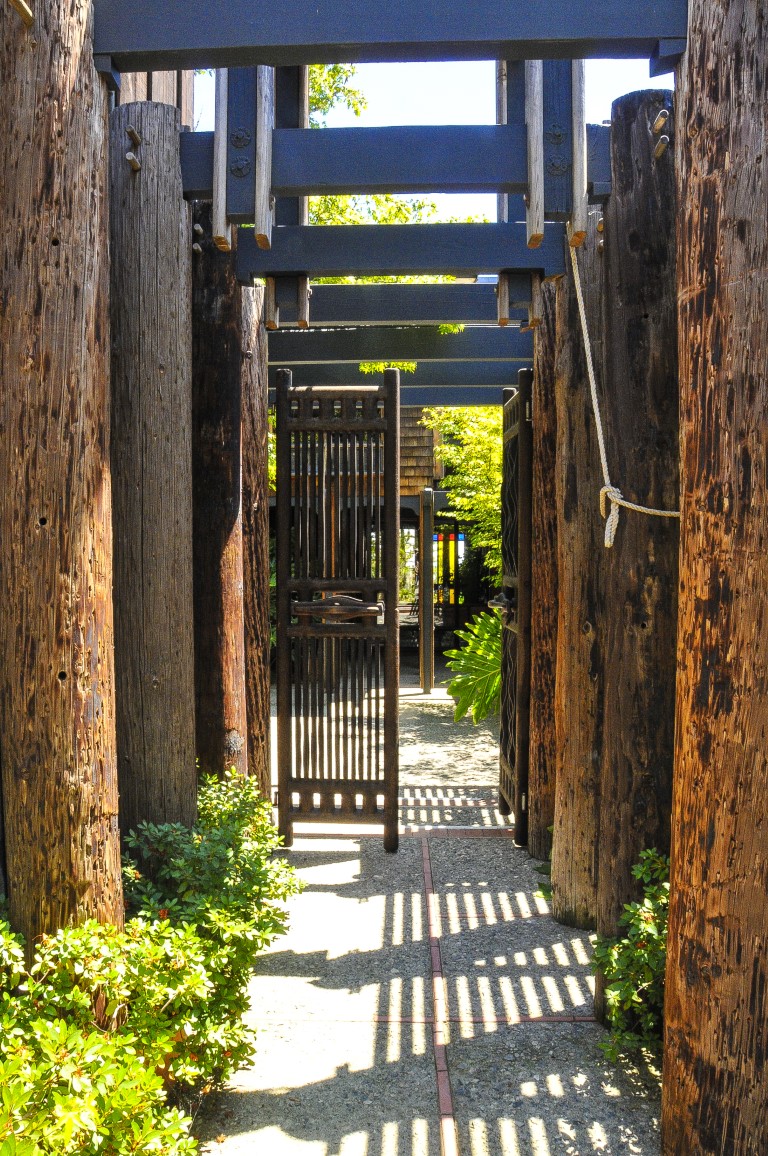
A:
{"points": [[339, 607]]}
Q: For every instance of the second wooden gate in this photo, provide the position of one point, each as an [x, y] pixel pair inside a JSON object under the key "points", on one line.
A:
{"points": [[516, 604], [337, 592]]}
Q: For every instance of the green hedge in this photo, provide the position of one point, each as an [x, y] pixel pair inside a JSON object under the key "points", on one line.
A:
{"points": [[108, 1029]]}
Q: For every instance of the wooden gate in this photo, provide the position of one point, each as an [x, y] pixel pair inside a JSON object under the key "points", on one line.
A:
{"points": [[516, 604], [338, 518]]}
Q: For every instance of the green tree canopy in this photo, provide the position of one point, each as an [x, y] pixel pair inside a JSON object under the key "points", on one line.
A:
{"points": [[471, 449]]}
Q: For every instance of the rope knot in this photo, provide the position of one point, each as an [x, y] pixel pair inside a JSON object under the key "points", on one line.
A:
{"points": [[613, 495]]}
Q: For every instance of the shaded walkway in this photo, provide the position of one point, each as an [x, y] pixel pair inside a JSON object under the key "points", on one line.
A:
{"points": [[427, 1002]]}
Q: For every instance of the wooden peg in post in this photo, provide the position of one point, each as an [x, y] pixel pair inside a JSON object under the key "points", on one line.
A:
{"points": [[534, 123], [265, 120], [133, 161], [271, 308], [133, 136], [577, 227], [25, 12], [502, 299], [222, 230], [536, 307], [304, 293], [304, 123]]}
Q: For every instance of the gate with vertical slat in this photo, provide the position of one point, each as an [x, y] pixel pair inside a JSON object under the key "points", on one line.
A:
{"points": [[516, 604], [337, 592]]}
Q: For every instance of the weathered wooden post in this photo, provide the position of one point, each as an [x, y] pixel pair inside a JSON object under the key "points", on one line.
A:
{"points": [[217, 377], [256, 534], [542, 759], [57, 721], [152, 468], [640, 420], [579, 670], [715, 1095]]}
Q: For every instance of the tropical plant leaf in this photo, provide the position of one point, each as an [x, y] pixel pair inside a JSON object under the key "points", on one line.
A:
{"points": [[476, 686]]}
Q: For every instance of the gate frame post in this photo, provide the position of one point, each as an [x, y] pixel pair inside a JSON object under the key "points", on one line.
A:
{"points": [[524, 528], [391, 619], [284, 497]]}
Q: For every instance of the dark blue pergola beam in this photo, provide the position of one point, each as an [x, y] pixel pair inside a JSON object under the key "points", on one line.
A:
{"points": [[160, 35], [430, 375], [412, 159], [399, 250], [315, 162], [452, 303], [416, 343]]}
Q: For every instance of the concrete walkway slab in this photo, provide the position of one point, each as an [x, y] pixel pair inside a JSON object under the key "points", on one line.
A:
{"points": [[427, 1003]]}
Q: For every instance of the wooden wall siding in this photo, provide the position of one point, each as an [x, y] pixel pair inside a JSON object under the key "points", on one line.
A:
{"points": [[541, 772], [579, 673], [217, 381], [640, 419], [151, 297], [418, 467], [256, 592], [715, 1076], [175, 88], [57, 695]]}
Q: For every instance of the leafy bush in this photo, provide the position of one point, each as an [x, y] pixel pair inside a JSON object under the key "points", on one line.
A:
{"points": [[633, 965], [477, 684], [65, 1091], [106, 1024]]}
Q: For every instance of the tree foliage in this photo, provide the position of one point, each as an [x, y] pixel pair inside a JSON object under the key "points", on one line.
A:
{"points": [[471, 449]]}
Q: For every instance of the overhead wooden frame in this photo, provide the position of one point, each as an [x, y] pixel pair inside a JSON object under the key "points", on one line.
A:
{"points": [[433, 376], [153, 35], [422, 344], [394, 304], [394, 250]]}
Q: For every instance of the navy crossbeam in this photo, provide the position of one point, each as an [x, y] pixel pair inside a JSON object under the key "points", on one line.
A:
{"points": [[412, 159], [399, 250], [159, 35], [453, 303], [432, 375], [416, 343]]}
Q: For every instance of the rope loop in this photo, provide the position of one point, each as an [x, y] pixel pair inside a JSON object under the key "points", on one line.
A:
{"points": [[609, 492]]}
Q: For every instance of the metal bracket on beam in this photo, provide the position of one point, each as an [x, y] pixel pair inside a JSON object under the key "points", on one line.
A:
{"points": [[104, 66], [241, 145], [666, 56]]}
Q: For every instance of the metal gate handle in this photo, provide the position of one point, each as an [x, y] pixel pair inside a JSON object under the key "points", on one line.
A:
{"points": [[341, 606]]}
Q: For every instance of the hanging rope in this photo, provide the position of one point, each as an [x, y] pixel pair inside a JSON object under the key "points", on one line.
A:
{"points": [[609, 492]]}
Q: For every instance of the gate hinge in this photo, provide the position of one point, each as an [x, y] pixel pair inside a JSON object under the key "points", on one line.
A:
{"points": [[276, 798], [528, 413]]}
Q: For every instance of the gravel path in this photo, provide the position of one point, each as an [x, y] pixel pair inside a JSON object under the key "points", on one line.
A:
{"points": [[426, 1003]]}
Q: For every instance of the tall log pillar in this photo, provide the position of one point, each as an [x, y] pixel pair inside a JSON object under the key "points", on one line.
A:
{"points": [[715, 1093], [217, 361], [152, 469], [640, 419], [256, 535], [579, 672], [57, 721], [542, 757]]}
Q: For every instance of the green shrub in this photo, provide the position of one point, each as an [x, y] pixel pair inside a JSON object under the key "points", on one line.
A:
{"points": [[65, 1091], [634, 964], [477, 684], [106, 1024]]}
